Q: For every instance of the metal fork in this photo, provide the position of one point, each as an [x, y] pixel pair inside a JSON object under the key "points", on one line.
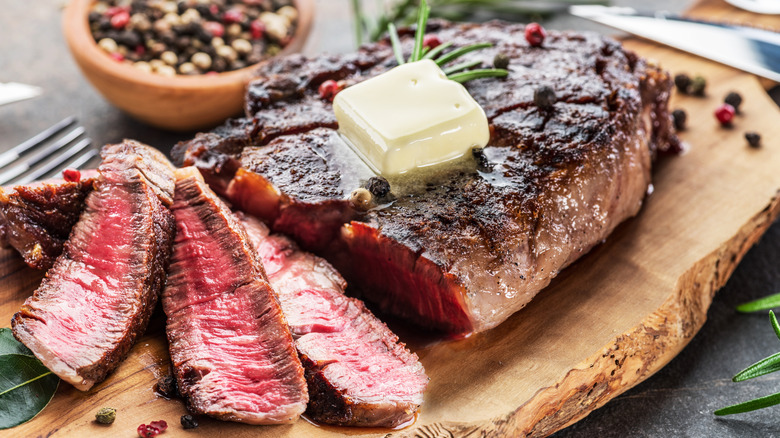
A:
{"points": [[31, 160]]}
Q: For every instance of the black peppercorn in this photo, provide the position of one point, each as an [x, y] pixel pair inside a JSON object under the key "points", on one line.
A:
{"points": [[679, 117], [166, 387], [698, 85], [753, 139], [188, 422], [682, 82], [544, 97], [378, 186], [733, 99], [501, 61], [483, 163]]}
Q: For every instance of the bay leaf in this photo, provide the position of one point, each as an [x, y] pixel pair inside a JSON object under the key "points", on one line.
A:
{"points": [[9, 344], [26, 387]]}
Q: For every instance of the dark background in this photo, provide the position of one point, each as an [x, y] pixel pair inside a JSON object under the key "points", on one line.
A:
{"points": [[677, 402]]}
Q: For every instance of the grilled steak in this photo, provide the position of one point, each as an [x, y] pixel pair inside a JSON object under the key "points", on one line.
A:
{"points": [[231, 349], [97, 298], [459, 249], [36, 219], [358, 372]]}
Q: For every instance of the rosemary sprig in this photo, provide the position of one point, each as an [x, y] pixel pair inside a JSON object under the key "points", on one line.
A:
{"points": [[460, 72], [760, 368], [766, 303]]}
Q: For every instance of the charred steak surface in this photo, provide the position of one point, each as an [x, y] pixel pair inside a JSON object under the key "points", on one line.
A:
{"points": [[358, 373], [457, 250], [98, 297], [230, 345], [36, 219]]}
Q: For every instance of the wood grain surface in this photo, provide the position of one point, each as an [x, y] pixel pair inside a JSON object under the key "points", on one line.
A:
{"points": [[606, 323]]}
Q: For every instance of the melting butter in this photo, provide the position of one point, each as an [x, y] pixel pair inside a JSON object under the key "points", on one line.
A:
{"points": [[411, 116]]}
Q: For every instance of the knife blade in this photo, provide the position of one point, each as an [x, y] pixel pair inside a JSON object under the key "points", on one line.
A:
{"points": [[753, 50], [14, 91]]}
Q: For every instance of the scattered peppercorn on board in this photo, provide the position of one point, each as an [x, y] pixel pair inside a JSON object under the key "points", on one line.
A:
{"points": [[605, 324]]}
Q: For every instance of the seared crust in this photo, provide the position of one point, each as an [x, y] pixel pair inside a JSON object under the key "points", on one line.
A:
{"points": [[462, 249]]}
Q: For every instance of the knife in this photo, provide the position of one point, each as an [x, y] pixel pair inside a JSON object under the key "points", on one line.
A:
{"points": [[755, 51], [14, 91]]}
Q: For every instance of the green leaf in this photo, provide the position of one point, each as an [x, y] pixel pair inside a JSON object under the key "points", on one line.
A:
{"points": [[760, 368], [760, 304], [476, 74], [9, 344], [396, 42], [752, 405], [419, 34], [26, 387], [451, 56]]}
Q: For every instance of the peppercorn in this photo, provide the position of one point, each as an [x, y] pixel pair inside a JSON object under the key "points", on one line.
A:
{"points": [[329, 89], [166, 386], [679, 117], [189, 422], [753, 139], [431, 41], [105, 415], [725, 114], [535, 34], [698, 84], [682, 81], [71, 175], [733, 99], [152, 429], [483, 163], [361, 198], [500, 61], [378, 186], [544, 97]]}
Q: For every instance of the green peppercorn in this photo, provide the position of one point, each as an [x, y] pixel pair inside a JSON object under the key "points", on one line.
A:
{"points": [[698, 85], [501, 61], [188, 422], [733, 99], [753, 139], [105, 415], [679, 117], [544, 97], [682, 82]]}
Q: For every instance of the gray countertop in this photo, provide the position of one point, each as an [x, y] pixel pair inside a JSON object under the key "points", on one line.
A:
{"points": [[677, 401]]}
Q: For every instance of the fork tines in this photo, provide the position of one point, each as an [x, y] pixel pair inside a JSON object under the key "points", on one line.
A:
{"points": [[46, 154]]}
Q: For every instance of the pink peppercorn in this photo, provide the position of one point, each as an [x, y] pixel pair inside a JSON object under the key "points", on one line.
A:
{"points": [[120, 20], [725, 114], [214, 28], [535, 34], [256, 29], [71, 175], [329, 89], [116, 56], [233, 16], [431, 41]]}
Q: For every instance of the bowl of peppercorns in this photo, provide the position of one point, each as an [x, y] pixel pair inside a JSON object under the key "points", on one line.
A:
{"points": [[181, 64]]}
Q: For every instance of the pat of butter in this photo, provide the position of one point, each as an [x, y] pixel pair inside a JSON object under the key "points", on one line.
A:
{"points": [[411, 116]]}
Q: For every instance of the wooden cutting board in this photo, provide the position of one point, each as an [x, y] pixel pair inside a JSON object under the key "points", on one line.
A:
{"points": [[605, 324]]}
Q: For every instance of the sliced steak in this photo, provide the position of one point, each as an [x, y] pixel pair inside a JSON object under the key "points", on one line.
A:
{"points": [[358, 372], [231, 349], [36, 219], [461, 247], [97, 298]]}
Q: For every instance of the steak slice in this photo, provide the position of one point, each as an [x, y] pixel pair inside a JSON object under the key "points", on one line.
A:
{"points": [[358, 372], [231, 349], [98, 297], [461, 247], [36, 219]]}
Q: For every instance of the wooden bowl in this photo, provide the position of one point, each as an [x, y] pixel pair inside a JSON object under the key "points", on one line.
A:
{"points": [[180, 103]]}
